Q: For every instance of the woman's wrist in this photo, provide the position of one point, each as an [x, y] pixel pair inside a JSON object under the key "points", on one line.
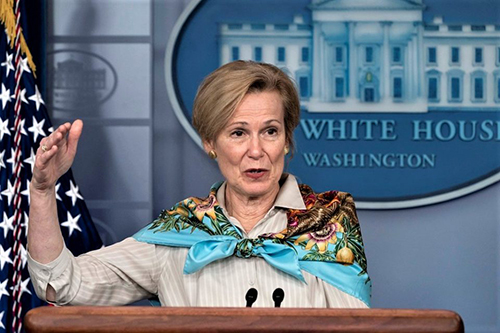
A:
{"points": [[41, 191]]}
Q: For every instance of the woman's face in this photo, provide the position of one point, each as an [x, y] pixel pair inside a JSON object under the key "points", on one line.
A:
{"points": [[250, 148]]}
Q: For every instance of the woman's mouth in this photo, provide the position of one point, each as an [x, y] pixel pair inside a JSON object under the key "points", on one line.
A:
{"points": [[255, 173]]}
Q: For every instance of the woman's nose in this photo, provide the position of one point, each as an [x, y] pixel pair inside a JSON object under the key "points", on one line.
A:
{"points": [[255, 149]]}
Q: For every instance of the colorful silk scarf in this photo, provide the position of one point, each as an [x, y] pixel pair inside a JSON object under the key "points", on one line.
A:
{"points": [[324, 239]]}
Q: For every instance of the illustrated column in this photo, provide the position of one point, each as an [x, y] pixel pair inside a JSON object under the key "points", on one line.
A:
{"points": [[386, 77], [316, 79], [407, 64], [420, 59], [414, 66], [352, 61], [411, 62]]}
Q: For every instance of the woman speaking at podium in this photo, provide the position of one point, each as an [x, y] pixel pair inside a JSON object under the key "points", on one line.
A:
{"points": [[257, 239]]}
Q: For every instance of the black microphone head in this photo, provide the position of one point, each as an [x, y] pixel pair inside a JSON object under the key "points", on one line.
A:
{"points": [[251, 296], [278, 296]]}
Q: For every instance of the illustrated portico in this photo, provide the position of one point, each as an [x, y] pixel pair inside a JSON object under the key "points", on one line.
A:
{"points": [[367, 54]]}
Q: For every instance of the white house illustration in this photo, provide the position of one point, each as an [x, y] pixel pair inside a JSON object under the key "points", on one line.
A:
{"points": [[376, 56]]}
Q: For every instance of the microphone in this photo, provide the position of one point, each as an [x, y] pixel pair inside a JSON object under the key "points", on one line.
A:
{"points": [[278, 296], [251, 297]]}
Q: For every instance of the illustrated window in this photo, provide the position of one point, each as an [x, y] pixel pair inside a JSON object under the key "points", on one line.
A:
{"points": [[431, 56], [235, 53], [455, 56], [257, 53], [281, 54]]}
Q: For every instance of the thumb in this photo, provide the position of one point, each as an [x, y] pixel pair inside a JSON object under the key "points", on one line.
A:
{"points": [[74, 135]]}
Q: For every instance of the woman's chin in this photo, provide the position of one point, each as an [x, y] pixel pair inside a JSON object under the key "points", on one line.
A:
{"points": [[258, 190]]}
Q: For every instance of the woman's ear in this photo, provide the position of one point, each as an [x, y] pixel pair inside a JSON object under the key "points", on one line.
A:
{"points": [[209, 149], [208, 146]]}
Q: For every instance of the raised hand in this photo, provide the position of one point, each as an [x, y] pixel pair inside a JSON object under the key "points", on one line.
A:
{"points": [[55, 155]]}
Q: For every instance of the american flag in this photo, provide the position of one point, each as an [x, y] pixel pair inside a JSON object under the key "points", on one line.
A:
{"points": [[24, 122]]}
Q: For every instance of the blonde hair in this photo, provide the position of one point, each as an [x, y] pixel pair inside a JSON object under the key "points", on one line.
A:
{"points": [[221, 92]]}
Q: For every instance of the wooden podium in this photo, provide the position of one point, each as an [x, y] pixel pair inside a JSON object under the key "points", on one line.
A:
{"points": [[73, 319]]}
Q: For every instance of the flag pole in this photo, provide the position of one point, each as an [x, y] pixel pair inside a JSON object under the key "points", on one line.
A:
{"points": [[17, 278]]}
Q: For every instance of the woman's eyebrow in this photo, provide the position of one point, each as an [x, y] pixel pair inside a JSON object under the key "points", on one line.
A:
{"points": [[244, 123], [240, 123], [271, 121]]}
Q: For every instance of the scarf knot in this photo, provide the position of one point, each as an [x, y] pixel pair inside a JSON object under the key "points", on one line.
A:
{"points": [[245, 247]]}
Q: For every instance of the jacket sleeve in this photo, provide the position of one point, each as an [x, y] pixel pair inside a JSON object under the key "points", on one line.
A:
{"points": [[116, 275]]}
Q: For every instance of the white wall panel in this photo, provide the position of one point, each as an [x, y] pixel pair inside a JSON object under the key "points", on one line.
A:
{"points": [[101, 18], [126, 69], [111, 222], [113, 163]]}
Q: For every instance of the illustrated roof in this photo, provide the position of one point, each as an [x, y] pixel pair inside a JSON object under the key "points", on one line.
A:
{"points": [[367, 4]]}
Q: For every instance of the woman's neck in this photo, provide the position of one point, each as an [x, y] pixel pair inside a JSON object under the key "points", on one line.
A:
{"points": [[247, 210]]}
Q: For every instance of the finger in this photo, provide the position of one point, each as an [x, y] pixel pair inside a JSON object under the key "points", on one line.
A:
{"points": [[57, 139], [47, 142], [43, 158], [64, 128], [61, 132], [74, 135], [43, 147], [58, 136]]}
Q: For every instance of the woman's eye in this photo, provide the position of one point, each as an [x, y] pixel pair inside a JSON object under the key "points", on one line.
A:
{"points": [[237, 133], [272, 131]]}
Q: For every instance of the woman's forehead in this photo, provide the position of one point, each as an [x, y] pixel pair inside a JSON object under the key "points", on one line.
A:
{"points": [[262, 105]]}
